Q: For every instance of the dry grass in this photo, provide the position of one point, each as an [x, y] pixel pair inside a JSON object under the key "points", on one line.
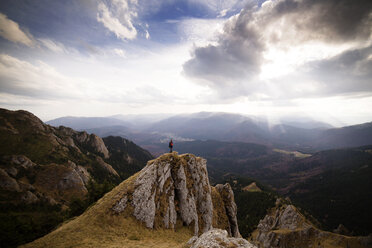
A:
{"points": [[99, 227], [252, 188], [294, 153]]}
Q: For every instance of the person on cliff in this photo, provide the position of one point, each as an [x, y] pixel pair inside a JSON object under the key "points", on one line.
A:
{"points": [[171, 145]]}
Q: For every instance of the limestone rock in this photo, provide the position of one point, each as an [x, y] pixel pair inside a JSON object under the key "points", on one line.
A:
{"points": [[285, 227], [231, 209], [173, 189], [106, 166], [217, 238], [98, 144], [29, 198], [8, 183], [71, 180], [22, 161], [92, 140], [82, 171]]}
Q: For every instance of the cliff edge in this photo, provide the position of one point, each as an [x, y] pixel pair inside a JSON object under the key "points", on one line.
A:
{"points": [[164, 205]]}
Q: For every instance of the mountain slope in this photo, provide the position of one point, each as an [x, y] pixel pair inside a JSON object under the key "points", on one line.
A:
{"points": [[83, 123], [304, 134], [163, 205], [350, 136], [284, 226], [48, 173]]}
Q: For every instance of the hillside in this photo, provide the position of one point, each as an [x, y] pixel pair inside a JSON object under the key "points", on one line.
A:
{"points": [[337, 190], [163, 205], [330, 184], [284, 226], [48, 174], [293, 133]]}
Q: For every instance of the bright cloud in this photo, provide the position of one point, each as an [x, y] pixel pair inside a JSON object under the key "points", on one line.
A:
{"points": [[10, 30], [282, 57], [119, 18], [52, 45], [275, 50]]}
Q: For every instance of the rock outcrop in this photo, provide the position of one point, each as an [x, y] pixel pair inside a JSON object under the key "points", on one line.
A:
{"points": [[230, 206], [174, 190], [163, 205], [217, 238], [55, 164], [285, 226]]}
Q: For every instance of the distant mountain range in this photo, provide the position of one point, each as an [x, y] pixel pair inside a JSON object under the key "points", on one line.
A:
{"points": [[305, 135]]}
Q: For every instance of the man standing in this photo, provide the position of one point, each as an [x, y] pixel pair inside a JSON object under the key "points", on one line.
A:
{"points": [[171, 145]]}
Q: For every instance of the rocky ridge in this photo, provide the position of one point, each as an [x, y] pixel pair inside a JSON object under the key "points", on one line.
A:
{"points": [[284, 226], [41, 163], [48, 174], [174, 190], [170, 194]]}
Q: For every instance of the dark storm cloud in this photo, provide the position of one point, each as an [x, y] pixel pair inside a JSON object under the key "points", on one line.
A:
{"points": [[237, 55], [338, 20], [236, 59], [349, 72]]}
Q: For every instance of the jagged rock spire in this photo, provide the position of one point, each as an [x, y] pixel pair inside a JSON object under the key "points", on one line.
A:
{"points": [[173, 190]]}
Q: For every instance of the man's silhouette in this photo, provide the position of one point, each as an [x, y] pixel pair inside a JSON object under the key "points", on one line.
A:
{"points": [[171, 145]]}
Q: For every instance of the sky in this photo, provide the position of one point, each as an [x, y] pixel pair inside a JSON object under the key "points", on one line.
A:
{"points": [[269, 58]]}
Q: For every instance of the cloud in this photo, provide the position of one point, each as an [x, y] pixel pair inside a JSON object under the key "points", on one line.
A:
{"points": [[119, 52], [253, 39], [348, 72], [117, 16], [11, 31], [40, 80], [52, 45]]}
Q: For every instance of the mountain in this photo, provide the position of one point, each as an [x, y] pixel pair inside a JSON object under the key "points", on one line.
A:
{"points": [[290, 133], [48, 174], [334, 187], [170, 203], [350, 136], [325, 183], [284, 226], [163, 205], [82, 123]]}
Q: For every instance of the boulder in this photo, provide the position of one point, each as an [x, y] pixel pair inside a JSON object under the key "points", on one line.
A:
{"points": [[217, 238]]}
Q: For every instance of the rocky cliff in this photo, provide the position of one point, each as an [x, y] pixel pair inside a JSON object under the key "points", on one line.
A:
{"points": [[286, 227], [171, 194], [174, 190], [45, 169], [39, 162]]}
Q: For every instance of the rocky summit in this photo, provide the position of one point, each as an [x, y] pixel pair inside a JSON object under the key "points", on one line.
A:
{"points": [[171, 194], [174, 190], [284, 226]]}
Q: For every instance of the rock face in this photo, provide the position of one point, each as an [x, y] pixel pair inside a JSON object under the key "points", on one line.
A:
{"points": [[217, 238], [230, 206], [55, 164], [52, 168], [174, 190], [285, 226]]}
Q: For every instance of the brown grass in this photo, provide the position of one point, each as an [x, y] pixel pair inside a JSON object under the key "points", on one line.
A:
{"points": [[294, 153], [252, 188], [99, 227]]}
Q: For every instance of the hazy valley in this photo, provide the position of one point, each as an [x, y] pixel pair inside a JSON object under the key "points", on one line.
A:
{"points": [[51, 173]]}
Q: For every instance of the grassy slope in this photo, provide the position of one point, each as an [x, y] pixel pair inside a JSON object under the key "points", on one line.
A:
{"points": [[99, 227]]}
